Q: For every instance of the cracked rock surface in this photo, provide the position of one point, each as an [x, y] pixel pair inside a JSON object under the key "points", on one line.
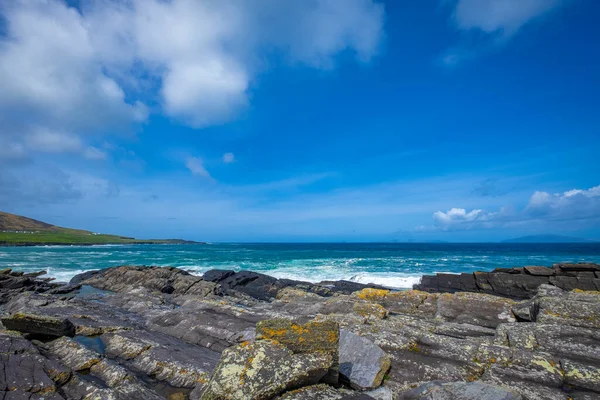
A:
{"points": [[161, 333]]}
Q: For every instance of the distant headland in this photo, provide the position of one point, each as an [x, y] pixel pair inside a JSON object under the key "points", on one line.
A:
{"points": [[16, 230]]}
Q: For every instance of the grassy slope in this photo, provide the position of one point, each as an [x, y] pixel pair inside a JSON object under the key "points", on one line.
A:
{"points": [[42, 233]]}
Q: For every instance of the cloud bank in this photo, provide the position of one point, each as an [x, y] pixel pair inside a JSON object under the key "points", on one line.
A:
{"points": [[104, 66], [571, 207]]}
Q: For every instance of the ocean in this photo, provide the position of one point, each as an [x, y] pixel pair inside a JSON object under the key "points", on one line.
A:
{"points": [[396, 265]]}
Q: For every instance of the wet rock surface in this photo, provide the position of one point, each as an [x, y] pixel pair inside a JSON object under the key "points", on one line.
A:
{"points": [[161, 333]]}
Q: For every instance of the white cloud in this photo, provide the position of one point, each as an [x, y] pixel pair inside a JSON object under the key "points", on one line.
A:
{"points": [[572, 207], [491, 23], [196, 166], [94, 153], [504, 17], [48, 141], [92, 69], [228, 158]]}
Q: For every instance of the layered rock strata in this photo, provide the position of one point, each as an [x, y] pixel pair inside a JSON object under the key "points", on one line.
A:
{"points": [[161, 333]]}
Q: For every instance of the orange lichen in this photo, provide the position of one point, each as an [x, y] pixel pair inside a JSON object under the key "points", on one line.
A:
{"points": [[372, 294]]}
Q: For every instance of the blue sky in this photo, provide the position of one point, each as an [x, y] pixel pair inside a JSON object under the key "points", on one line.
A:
{"points": [[358, 120]]}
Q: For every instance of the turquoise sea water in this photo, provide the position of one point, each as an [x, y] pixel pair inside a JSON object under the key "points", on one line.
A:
{"points": [[394, 265]]}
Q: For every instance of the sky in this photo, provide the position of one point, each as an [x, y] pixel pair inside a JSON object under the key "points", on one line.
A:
{"points": [[303, 120]]}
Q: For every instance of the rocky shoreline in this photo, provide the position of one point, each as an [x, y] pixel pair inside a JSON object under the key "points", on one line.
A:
{"points": [[161, 333]]}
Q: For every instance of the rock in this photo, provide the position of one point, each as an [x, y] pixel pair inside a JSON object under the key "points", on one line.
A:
{"points": [[362, 363], [263, 369], [323, 392], [580, 375], [516, 283], [381, 393], [39, 325], [217, 275], [151, 333], [539, 271], [162, 357], [314, 336], [159, 279], [556, 310], [77, 279], [477, 309], [525, 310], [370, 310], [437, 390]]}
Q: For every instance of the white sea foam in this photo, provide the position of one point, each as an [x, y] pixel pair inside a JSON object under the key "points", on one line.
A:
{"points": [[394, 282], [64, 275]]}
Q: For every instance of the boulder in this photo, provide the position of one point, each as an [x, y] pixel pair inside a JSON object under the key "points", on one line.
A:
{"points": [[312, 337], [264, 369], [438, 390], [39, 325], [362, 363]]}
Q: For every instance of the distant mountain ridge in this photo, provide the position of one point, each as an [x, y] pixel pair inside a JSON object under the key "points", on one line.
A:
{"points": [[547, 239], [16, 230]]}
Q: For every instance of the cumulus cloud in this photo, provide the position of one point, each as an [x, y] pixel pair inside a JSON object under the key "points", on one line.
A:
{"points": [[228, 158], [492, 22], [196, 166], [573, 206], [51, 74], [95, 67]]}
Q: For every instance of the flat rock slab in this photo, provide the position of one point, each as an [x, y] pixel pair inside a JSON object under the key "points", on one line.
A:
{"points": [[362, 363], [262, 370], [310, 337], [437, 390], [540, 271], [323, 392], [39, 324]]}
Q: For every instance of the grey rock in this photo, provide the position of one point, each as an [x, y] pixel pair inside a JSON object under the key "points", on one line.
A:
{"points": [[437, 390], [323, 392], [540, 271], [263, 369], [39, 324], [362, 363], [477, 309]]}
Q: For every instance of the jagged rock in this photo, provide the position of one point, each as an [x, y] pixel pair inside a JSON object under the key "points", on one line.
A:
{"points": [[525, 310], [362, 363], [263, 369], [39, 325], [438, 390], [164, 280], [264, 287], [323, 392], [77, 279], [162, 337]]}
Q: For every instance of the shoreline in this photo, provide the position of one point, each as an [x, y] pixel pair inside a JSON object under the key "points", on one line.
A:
{"points": [[152, 333]]}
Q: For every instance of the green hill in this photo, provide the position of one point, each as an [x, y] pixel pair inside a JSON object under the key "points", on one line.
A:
{"points": [[16, 230]]}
